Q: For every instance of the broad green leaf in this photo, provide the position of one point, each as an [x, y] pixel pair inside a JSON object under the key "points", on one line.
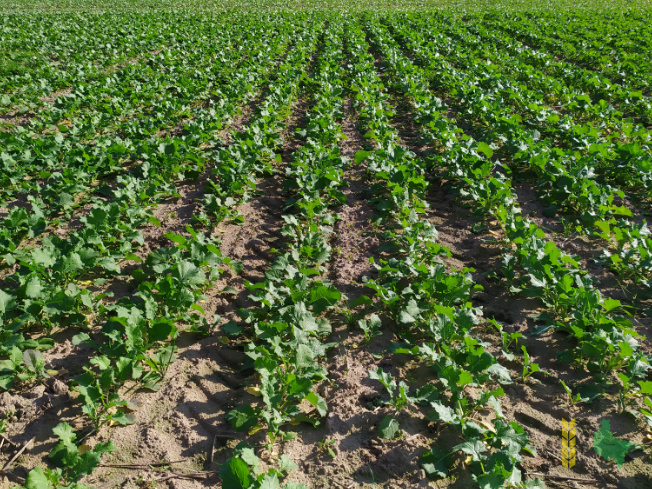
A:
{"points": [[475, 448], [235, 474], [646, 386], [388, 428], [319, 402], [410, 313], [442, 413], [65, 433], [305, 357], [90, 459], [187, 272], [324, 297], [484, 148], [36, 479], [436, 463], [242, 417], [270, 481], [511, 435], [33, 287], [7, 302], [608, 446], [249, 456], [361, 155]]}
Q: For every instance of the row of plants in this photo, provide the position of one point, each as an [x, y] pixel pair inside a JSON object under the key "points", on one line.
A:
{"points": [[256, 149], [565, 177], [430, 305], [136, 340], [621, 64], [567, 82], [285, 332], [606, 341], [43, 56], [74, 172], [105, 120], [148, 111], [44, 291], [549, 100]]}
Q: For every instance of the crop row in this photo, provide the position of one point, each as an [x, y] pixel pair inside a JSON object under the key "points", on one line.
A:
{"points": [[606, 340], [564, 156], [430, 305]]}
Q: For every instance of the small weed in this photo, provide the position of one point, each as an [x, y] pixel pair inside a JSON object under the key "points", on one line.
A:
{"points": [[326, 445]]}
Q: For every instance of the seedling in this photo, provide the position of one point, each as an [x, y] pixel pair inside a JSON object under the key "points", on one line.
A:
{"points": [[528, 367], [326, 445]]}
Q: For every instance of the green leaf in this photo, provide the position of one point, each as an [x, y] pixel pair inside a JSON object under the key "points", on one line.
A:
{"points": [[384, 378], [589, 392], [442, 413], [484, 148], [242, 417], [512, 436], [611, 305], [235, 474], [475, 448], [536, 282], [64, 454], [43, 257], [33, 359], [388, 428], [33, 287], [436, 463], [89, 460], [231, 328], [502, 374], [133, 257], [65, 433], [495, 403], [609, 447], [319, 402], [177, 238], [123, 419], [187, 272], [270, 481], [361, 155], [72, 263], [646, 386], [108, 264], [161, 330], [36, 479], [237, 267], [7, 380], [410, 313], [7, 302], [305, 357], [249, 456]]}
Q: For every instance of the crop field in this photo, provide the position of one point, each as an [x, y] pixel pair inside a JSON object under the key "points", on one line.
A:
{"points": [[264, 245]]}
